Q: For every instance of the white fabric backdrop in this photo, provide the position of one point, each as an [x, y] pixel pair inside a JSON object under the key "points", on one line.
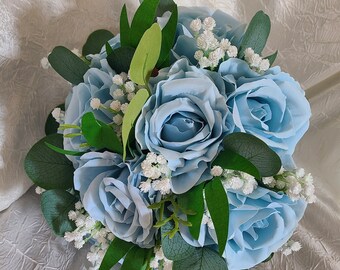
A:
{"points": [[305, 33]]}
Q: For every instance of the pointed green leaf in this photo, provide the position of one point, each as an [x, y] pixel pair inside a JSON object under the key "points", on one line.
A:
{"points": [[64, 152], [120, 59], [117, 250], [96, 41], [47, 168], [232, 161], [146, 55], [256, 35], [218, 205], [55, 205], [51, 125], [99, 135], [108, 49], [135, 259], [193, 200], [68, 65], [124, 28], [131, 114], [272, 58], [142, 21], [257, 152]]}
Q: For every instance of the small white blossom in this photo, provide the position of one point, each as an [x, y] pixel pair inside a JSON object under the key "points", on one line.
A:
{"points": [[268, 180], [69, 236], [196, 25], [249, 52], [290, 247], [280, 184], [118, 119], [118, 80], [58, 115], [287, 251], [79, 244], [45, 64], [145, 186], [216, 171], [204, 62], [225, 44], [130, 96], [78, 205], [72, 215], [232, 51], [39, 190], [264, 65], [115, 105], [124, 107], [296, 246], [198, 55], [162, 185], [118, 93], [95, 103], [129, 87], [154, 263], [209, 24]]}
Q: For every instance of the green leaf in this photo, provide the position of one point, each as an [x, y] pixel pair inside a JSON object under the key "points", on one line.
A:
{"points": [[117, 250], [96, 41], [254, 150], [164, 6], [272, 58], [135, 259], [269, 258], [99, 135], [51, 125], [142, 21], [120, 59], [193, 200], [108, 48], [131, 114], [64, 152], [175, 248], [47, 168], [168, 39], [124, 28], [218, 205], [232, 161], [201, 259], [68, 65], [256, 35], [146, 55], [55, 205]]}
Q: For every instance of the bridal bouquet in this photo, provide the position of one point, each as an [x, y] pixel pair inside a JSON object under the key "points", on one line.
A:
{"points": [[173, 149]]}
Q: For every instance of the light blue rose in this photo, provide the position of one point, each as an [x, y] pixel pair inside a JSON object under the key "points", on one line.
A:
{"points": [[110, 194], [226, 27], [271, 106], [185, 121], [259, 224]]}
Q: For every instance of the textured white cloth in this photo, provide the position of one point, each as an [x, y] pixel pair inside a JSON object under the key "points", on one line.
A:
{"points": [[305, 33]]}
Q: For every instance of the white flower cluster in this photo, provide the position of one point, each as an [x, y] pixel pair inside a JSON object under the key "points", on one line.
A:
{"points": [[235, 180], [296, 184], [160, 259], [290, 247], [211, 50], [255, 61], [155, 168], [59, 115], [88, 228]]}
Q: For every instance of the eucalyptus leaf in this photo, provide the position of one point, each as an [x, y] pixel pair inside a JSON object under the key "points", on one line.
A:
{"points": [[218, 205], [131, 114], [51, 125], [256, 34], [135, 258], [120, 59], [55, 205], [255, 151], [146, 55], [96, 41], [117, 250], [202, 259], [68, 65], [272, 58], [47, 168]]}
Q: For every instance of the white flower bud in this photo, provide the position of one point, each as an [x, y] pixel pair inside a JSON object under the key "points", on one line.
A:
{"points": [[129, 87], [95, 103], [72, 215], [118, 93], [232, 51], [296, 246], [198, 55], [248, 53], [225, 44], [268, 180], [196, 25], [216, 171], [145, 186], [118, 80], [264, 65], [78, 205], [124, 107], [39, 190], [115, 105], [130, 96], [209, 24], [204, 62], [118, 119]]}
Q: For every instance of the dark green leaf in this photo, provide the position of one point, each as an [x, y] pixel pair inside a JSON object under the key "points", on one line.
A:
{"points": [[269, 258], [99, 135], [120, 59], [55, 205], [51, 125], [193, 200], [256, 151], [135, 259], [68, 65], [64, 152], [256, 35], [96, 41], [124, 28], [117, 250], [218, 205], [272, 58], [232, 161], [108, 48], [142, 21], [164, 6], [175, 248], [47, 168], [201, 259]]}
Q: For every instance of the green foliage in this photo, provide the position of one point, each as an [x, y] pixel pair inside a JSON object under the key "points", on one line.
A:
{"points": [[165, 5], [68, 65], [146, 55], [136, 259], [202, 259], [272, 58], [117, 250], [55, 205], [256, 35], [51, 125], [120, 59], [96, 41], [47, 168], [131, 114], [99, 135], [64, 152], [218, 205], [124, 28]]}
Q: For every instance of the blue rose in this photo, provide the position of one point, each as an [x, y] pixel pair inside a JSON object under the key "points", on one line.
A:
{"points": [[259, 224], [185, 121], [110, 194], [271, 106], [226, 27]]}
